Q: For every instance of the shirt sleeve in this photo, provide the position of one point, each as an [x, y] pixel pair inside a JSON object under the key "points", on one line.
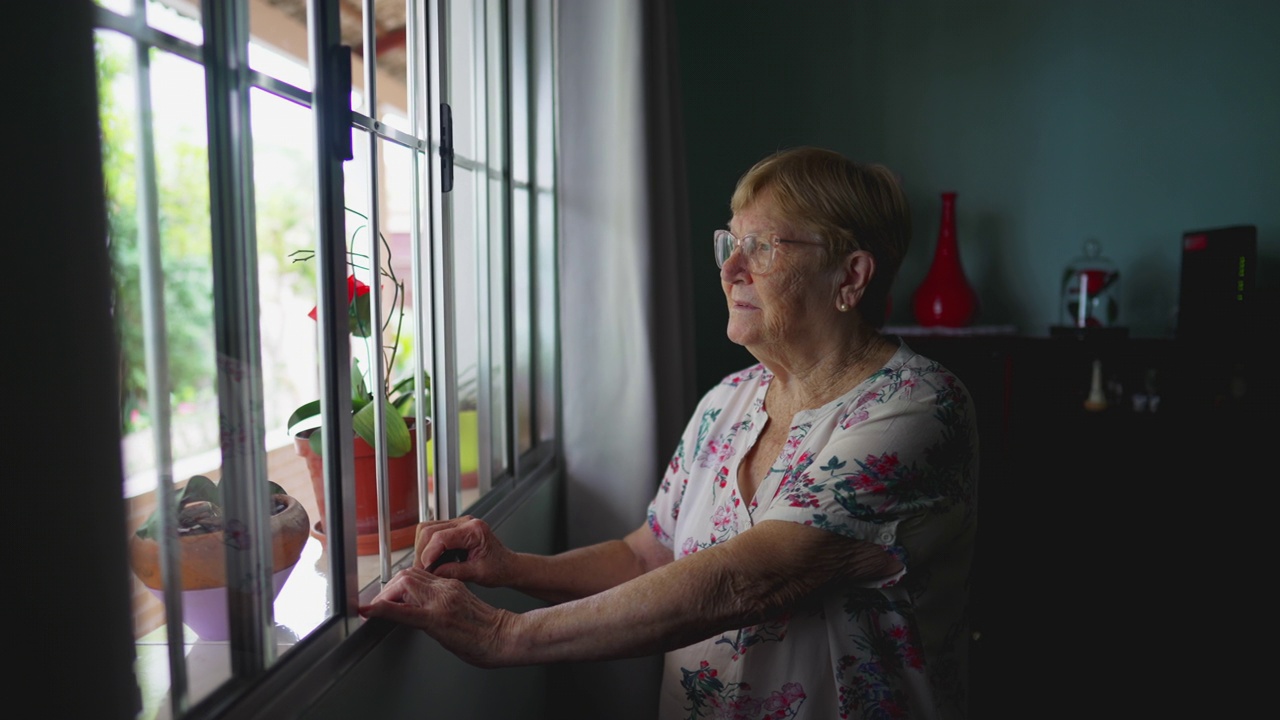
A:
{"points": [[664, 509], [702, 445]]}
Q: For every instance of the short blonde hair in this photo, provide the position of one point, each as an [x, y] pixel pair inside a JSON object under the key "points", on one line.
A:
{"points": [[847, 205]]}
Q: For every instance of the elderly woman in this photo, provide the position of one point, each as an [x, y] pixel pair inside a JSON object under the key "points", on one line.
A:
{"points": [[807, 552]]}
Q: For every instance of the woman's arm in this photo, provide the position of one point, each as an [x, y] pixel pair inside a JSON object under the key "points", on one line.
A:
{"points": [[555, 578], [746, 580]]}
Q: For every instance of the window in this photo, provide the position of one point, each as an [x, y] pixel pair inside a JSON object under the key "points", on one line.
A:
{"points": [[287, 230]]}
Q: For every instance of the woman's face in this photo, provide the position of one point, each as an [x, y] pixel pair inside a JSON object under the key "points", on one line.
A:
{"points": [[788, 308]]}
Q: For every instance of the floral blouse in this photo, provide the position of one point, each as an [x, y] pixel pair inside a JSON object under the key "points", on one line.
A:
{"points": [[893, 462]]}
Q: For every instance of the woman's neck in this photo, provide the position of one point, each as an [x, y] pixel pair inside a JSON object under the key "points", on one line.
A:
{"points": [[806, 383]]}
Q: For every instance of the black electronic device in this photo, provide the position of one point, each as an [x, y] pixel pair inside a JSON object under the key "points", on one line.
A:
{"points": [[1217, 281]]}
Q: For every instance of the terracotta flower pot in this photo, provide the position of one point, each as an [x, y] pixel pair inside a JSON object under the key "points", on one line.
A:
{"points": [[402, 489], [203, 559]]}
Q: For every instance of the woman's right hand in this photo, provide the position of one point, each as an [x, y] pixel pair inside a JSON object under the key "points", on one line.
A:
{"points": [[487, 561]]}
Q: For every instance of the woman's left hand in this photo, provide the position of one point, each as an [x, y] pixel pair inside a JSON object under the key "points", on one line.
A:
{"points": [[447, 611]]}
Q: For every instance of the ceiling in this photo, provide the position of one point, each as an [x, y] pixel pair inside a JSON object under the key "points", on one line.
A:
{"points": [[389, 29]]}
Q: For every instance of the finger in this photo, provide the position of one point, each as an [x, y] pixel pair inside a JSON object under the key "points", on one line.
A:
{"points": [[447, 545], [453, 555], [426, 532], [396, 612]]}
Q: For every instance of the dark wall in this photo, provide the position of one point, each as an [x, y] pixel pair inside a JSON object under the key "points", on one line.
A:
{"points": [[66, 595], [1054, 122], [755, 80]]}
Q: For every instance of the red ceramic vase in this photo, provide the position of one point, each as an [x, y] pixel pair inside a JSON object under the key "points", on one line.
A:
{"points": [[945, 298]]}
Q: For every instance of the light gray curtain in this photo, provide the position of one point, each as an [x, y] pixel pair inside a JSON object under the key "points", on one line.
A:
{"points": [[626, 299]]}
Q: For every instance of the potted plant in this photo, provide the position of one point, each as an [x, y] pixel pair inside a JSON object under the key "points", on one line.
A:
{"points": [[398, 401], [202, 553]]}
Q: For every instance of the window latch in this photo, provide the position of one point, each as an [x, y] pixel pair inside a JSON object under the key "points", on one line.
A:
{"points": [[446, 148], [341, 76]]}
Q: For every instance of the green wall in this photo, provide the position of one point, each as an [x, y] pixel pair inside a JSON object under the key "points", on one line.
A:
{"points": [[1055, 122]]}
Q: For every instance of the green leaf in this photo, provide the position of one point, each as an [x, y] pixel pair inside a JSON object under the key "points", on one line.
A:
{"points": [[402, 396], [404, 386], [398, 442], [150, 530], [359, 316], [305, 412], [359, 391], [200, 488]]}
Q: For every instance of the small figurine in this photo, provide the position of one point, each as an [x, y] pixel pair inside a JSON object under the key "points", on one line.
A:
{"points": [[1097, 399]]}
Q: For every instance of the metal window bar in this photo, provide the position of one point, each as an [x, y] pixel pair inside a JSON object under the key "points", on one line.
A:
{"points": [[157, 363], [484, 275], [522, 152], [499, 166], [331, 69], [417, 74], [545, 264], [236, 313], [379, 369]]}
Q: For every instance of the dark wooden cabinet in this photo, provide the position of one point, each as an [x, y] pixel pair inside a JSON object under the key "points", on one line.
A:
{"points": [[1097, 527]]}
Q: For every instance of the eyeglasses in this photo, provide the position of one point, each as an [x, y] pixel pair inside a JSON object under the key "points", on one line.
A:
{"points": [[759, 251]]}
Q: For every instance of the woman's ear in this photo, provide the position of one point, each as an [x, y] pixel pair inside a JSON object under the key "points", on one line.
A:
{"points": [[859, 268]]}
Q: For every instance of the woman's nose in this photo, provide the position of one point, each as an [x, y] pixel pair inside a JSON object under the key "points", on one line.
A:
{"points": [[735, 266]]}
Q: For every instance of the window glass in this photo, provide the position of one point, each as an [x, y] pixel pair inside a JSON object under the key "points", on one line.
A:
{"points": [[544, 263], [496, 395], [462, 92], [466, 279], [522, 331], [172, 311]]}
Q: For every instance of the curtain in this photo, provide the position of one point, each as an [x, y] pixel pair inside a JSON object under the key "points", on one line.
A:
{"points": [[626, 307]]}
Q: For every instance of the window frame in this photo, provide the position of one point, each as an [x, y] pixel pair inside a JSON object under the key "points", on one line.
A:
{"points": [[261, 681]]}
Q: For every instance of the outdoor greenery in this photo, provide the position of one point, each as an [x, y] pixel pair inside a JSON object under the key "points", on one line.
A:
{"points": [[184, 228], [186, 264]]}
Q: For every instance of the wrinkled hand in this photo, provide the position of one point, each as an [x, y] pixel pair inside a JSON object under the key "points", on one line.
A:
{"points": [[488, 562], [447, 611]]}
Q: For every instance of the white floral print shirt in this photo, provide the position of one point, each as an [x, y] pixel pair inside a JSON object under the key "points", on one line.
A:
{"points": [[893, 462]]}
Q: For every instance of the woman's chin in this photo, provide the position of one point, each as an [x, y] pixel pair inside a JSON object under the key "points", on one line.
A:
{"points": [[741, 335]]}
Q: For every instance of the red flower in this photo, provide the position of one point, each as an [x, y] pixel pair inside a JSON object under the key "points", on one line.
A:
{"points": [[355, 289]]}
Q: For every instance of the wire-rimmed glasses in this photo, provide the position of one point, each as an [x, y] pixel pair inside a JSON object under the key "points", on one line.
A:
{"points": [[758, 250]]}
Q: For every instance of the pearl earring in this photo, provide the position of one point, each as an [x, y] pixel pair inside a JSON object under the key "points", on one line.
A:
{"points": [[843, 308]]}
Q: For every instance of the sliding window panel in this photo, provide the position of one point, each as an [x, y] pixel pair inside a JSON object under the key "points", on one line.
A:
{"points": [[156, 171], [284, 199], [382, 344], [545, 242], [464, 43], [522, 218], [468, 286], [495, 445], [408, 469], [187, 313]]}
